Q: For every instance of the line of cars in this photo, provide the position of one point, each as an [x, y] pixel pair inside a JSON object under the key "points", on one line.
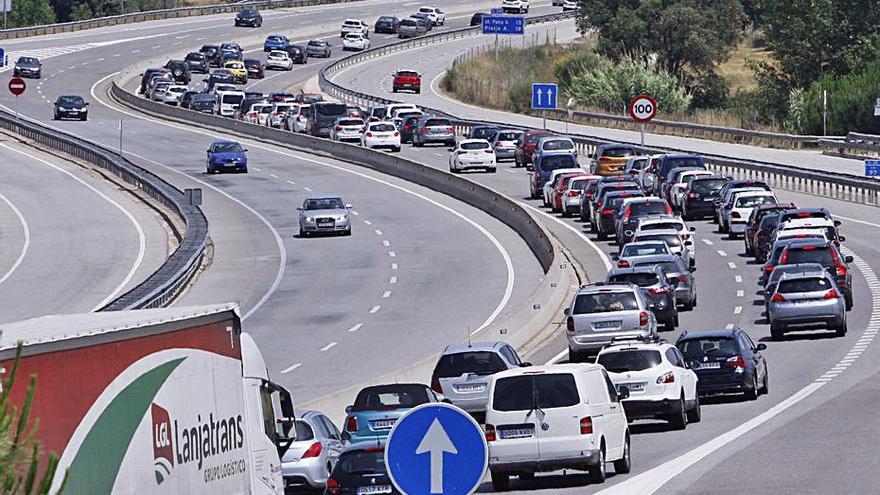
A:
{"points": [[72, 107]]}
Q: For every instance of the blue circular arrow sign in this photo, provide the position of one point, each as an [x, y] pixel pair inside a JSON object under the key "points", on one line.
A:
{"points": [[436, 448]]}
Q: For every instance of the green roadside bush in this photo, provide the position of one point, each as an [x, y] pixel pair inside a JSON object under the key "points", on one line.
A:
{"points": [[850, 104]]}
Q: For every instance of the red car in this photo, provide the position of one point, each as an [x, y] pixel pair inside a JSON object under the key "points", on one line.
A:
{"points": [[561, 186], [408, 80], [525, 150]]}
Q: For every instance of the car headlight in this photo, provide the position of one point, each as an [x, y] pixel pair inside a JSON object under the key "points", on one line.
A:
{"points": [[309, 219], [340, 218]]}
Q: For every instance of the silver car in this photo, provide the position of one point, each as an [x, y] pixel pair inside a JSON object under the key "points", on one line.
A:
{"points": [[463, 372], [311, 457], [678, 274], [504, 143], [806, 298], [777, 273], [410, 28], [324, 214], [600, 313], [433, 130], [632, 253], [671, 237]]}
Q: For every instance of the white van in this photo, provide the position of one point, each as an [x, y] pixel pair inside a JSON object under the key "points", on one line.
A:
{"points": [[228, 102], [546, 418], [389, 109]]}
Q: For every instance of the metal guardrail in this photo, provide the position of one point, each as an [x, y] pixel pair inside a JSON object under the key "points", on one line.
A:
{"points": [[855, 144], [839, 186], [152, 15], [165, 283]]}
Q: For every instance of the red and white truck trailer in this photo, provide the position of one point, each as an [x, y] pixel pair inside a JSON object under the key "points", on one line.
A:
{"points": [[160, 401]]}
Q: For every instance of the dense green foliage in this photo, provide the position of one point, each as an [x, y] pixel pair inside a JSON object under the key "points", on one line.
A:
{"points": [[35, 12], [850, 104], [30, 13]]}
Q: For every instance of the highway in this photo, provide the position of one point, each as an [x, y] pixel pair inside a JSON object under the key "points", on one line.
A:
{"points": [[71, 241], [312, 303]]}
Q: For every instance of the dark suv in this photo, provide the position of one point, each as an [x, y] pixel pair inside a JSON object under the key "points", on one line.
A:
{"points": [[197, 62], [702, 191], [658, 291], [725, 361], [249, 17], [71, 107], [826, 254], [210, 53], [179, 71], [634, 211]]}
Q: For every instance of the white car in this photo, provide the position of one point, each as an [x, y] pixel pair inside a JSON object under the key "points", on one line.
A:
{"points": [[824, 225], [381, 135], [224, 88], [297, 123], [354, 26], [347, 129], [678, 190], [561, 416], [393, 109], [660, 384], [548, 186], [435, 14], [568, 5], [469, 154], [818, 234], [277, 113], [667, 222], [515, 6], [356, 42], [278, 60], [253, 115], [741, 209], [173, 93], [158, 91]]}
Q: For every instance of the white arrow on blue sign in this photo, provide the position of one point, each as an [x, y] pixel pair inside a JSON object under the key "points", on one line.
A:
{"points": [[436, 448], [2, 57], [544, 96]]}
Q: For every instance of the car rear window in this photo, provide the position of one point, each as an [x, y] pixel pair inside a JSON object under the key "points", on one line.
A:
{"points": [[361, 462], [408, 22], [558, 161], [640, 279], [474, 146], [803, 285], [689, 161], [534, 138], [351, 122], [407, 73], [330, 109], [478, 362], [663, 226], [671, 240], [648, 208], [578, 184], [668, 267], [383, 398], [696, 348], [644, 249], [508, 136], [438, 123], [618, 152], [810, 254], [483, 132], [529, 392], [382, 128], [752, 201], [557, 144], [707, 185], [624, 361], [303, 430], [604, 302]]}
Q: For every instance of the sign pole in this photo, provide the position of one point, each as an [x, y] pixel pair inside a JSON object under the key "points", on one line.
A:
{"points": [[642, 132], [17, 105], [120, 138], [824, 111]]}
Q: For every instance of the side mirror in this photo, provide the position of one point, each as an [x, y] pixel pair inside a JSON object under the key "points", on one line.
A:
{"points": [[87, 103], [245, 150], [761, 347], [615, 257], [525, 364], [349, 206], [837, 223], [623, 393], [693, 229], [566, 311], [446, 401], [841, 238], [674, 282], [299, 208], [848, 259], [349, 409], [692, 269]]}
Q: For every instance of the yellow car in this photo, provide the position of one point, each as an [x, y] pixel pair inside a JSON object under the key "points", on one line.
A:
{"points": [[238, 70], [610, 159]]}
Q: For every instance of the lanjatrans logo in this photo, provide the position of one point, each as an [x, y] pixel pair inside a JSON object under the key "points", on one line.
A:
{"points": [[182, 444]]}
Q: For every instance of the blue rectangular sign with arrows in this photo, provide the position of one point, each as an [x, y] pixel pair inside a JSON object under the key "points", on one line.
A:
{"points": [[544, 96]]}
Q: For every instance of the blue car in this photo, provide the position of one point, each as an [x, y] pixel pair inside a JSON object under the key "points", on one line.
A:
{"points": [[226, 155], [545, 163], [377, 408], [276, 42]]}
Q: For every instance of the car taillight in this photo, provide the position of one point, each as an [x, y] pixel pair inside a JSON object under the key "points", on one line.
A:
{"points": [[587, 426], [573, 194], [339, 128], [423, 129], [778, 298], [490, 432], [692, 195], [658, 292], [627, 212], [607, 211], [682, 278], [332, 487], [488, 150], [569, 324], [784, 258], [623, 264], [450, 129], [351, 424], [369, 134], [313, 451], [668, 209], [736, 362], [396, 134], [831, 294], [435, 383], [669, 377], [643, 318], [841, 271], [735, 214]]}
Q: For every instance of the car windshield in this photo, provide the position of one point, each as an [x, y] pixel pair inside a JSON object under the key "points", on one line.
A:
{"points": [[685, 161], [382, 128], [531, 392], [554, 162], [72, 100], [475, 145], [653, 248], [389, 397], [28, 62], [325, 204], [604, 302], [303, 430], [663, 226], [557, 144], [624, 361], [648, 208], [810, 254], [617, 152], [698, 347], [752, 201], [361, 462], [478, 362], [795, 286], [671, 240], [227, 148]]}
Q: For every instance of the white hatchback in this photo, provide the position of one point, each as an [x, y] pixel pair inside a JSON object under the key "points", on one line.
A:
{"points": [[279, 60], [356, 42], [660, 384], [563, 416], [471, 154], [347, 129], [381, 135], [435, 14]]}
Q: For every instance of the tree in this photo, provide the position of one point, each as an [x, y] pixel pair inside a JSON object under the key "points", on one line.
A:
{"points": [[19, 451], [31, 13]]}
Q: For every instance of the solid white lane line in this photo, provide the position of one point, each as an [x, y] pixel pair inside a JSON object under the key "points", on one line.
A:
{"points": [[386, 294], [602, 255], [356, 327], [142, 241], [375, 309], [288, 370], [27, 239], [329, 346]]}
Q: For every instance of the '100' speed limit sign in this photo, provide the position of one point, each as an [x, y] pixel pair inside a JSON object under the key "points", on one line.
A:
{"points": [[643, 108]]}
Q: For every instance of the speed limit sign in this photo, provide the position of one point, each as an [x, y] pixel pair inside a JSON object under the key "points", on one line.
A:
{"points": [[643, 108]]}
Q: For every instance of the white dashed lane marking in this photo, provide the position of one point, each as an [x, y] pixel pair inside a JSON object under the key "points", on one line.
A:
{"points": [[386, 294], [329, 346], [738, 279], [378, 232], [288, 370], [356, 327], [732, 265], [392, 254], [375, 309], [392, 280], [707, 242], [722, 253]]}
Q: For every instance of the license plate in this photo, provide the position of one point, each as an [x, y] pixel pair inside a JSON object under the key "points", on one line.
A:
{"points": [[707, 366], [229, 164], [470, 387], [325, 223], [607, 324], [371, 490], [633, 387], [517, 433], [383, 424]]}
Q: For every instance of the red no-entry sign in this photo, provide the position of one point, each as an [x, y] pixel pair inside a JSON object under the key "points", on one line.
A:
{"points": [[17, 86]]}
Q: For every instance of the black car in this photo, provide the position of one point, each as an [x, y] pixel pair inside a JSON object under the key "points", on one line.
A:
{"points": [[406, 128], [197, 62], [179, 71], [210, 52], [318, 48], [477, 19], [361, 466], [203, 102], [219, 76], [71, 107], [249, 17], [657, 289], [255, 68], [186, 98], [725, 361], [702, 191], [297, 53], [386, 24], [27, 67], [482, 132]]}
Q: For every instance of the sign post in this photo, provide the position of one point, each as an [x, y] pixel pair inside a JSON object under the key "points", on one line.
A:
{"points": [[17, 87], [642, 109], [877, 107], [544, 97], [436, 448], [872, 168]]}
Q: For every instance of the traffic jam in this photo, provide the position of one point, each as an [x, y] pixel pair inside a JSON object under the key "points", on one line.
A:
{"points": [[623, 364]]}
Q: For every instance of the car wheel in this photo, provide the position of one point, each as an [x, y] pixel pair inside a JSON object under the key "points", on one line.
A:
{"points": [[848, 302], [678, 420], [500, 481], [751, 392], [597, 471], [624, 464], [765, 387], [776, 331], [574, 356], [695, 414], [397, 149], [601, 235], [841, 329]]}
